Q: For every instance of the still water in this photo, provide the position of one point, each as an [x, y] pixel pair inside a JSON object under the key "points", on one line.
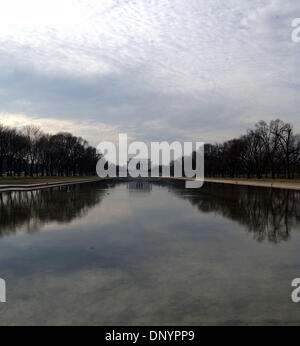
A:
{"points": [[135, 253]]}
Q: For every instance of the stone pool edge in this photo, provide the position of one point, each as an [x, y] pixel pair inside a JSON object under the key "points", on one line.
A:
{"points": [[29, 187]]}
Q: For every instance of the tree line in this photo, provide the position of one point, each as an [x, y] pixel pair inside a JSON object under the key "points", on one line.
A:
{"points": [[267, 214], [268, 150], [29, 211], [30, 152]]}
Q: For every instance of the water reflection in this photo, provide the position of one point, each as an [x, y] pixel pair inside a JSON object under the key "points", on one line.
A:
{"points": [[266, 213], [139, 186], [149, 258], [31, 210]]}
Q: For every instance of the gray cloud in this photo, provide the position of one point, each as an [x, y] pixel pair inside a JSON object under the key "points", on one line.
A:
{"points": [[158, 70]]}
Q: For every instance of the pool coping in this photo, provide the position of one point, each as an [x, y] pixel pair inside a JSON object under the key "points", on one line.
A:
{"points": [[29, 187], [273, 185]]}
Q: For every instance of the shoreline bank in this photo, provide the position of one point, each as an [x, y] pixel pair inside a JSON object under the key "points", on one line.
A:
{"points": [[38, 186], [268, 184], [272, 184]]}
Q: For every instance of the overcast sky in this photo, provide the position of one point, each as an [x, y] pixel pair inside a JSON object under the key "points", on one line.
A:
{"points": [[155, 69]]}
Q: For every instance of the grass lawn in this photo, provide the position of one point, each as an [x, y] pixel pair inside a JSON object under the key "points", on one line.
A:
{"points": [[38, 180]]}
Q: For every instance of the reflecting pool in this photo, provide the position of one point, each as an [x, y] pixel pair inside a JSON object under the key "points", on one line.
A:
{"points": [[149, 253]]}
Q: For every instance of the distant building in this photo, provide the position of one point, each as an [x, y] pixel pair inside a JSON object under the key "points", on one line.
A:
{"points": [[143, 165], [140, 186]]}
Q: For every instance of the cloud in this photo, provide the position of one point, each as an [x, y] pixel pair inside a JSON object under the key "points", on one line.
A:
{"points": [[96, 132], [154, 69]]}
